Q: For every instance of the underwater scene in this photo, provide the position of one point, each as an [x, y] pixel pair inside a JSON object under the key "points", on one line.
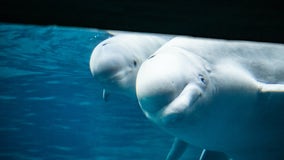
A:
{"points": [[51, 108]]}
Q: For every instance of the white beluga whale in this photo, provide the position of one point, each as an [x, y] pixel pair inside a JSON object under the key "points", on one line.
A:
{"points": [[115, 61], [225, 96]]}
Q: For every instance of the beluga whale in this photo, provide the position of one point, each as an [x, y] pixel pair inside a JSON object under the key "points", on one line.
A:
{"points": [[114, 62], [221, 95]]}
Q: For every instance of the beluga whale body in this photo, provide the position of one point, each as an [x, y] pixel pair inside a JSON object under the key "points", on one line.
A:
{"points": [[114, 62], [225, 96]]}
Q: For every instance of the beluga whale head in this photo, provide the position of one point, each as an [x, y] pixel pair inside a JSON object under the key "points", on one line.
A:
{"points": [[114, 63], [170, 84]]}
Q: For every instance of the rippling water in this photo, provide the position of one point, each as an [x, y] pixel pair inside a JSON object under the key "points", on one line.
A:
{"points": [[51, 108]]}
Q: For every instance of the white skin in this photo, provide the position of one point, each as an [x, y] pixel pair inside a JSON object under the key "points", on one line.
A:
{"points": [[115, 61], [219, 95]]}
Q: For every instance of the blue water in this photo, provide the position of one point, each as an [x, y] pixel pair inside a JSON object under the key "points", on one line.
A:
{"points": [[51, 107]]}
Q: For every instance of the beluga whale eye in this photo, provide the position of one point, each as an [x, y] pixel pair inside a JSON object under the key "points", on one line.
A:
{"points": [[202, 79], [134, 63]]}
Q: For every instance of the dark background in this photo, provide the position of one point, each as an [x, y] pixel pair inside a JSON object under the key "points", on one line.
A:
{"points": [[235, 19]]}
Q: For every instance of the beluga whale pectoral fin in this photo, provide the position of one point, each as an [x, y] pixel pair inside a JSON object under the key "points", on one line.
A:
{"points": [[177, 149], [273, 88], [105, 95], [271, 94]]}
